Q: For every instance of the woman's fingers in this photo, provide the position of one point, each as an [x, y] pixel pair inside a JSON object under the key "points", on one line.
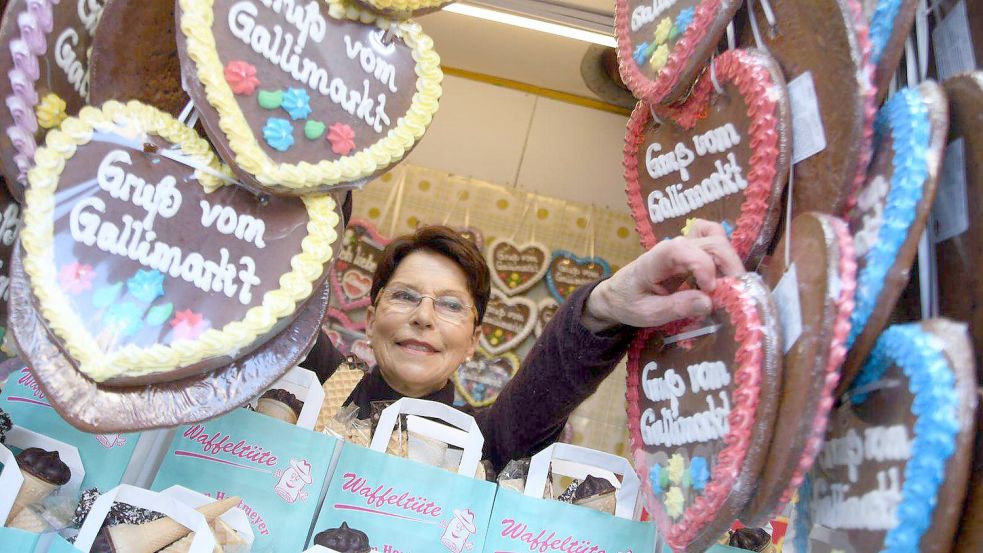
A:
{"points": [[701, 228], [681, 256], [658, 310], [724, 256]]}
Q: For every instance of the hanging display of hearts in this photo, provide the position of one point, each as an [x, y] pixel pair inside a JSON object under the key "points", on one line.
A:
{"points": [[351, 276], [507, 323], [568, 271]]}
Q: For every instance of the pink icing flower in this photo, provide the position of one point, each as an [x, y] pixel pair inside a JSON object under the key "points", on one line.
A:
{"points": [[342, 138], [188, 325], [76, 277], [241, 77]]}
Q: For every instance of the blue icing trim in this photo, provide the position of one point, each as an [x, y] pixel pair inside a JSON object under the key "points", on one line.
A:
{"points": [[699, 472], [640, 55], [803, 516], [906, 115], [728, 227], [297, 103], [125, 317], [881, 26], [935, 405], [550, 281], [655, 479], [684, 19], [146, 285], [279, 134]]}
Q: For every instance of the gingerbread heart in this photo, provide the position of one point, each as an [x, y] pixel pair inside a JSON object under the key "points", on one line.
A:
{"points": [[141, 272], [342, 318], [473, 235], [10, 224], [821, 274], [351, 276], [298, 99], [663, 46], [890, 23], [507, 323], [546, 308], [722, 156], [567, 272], [516, 268], [401, 9], [700, 411], [44, 79], [892, 210], [480, 380], [362, 349], [893, 470]]}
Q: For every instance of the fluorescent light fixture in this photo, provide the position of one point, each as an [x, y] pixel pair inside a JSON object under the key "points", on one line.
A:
{"points": [[531, 24]]}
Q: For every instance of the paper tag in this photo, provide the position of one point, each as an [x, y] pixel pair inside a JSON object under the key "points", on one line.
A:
{"points": [[950, 215], [953, 44], [808, 133], [786, 296]]}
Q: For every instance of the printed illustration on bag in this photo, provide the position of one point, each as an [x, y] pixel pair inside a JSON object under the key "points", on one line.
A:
{"points": [[291, 482], [458, 530]]}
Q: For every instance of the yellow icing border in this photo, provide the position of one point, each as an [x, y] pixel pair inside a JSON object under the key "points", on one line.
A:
{"points": [[37, 237], [196, 24], [407, 5]]}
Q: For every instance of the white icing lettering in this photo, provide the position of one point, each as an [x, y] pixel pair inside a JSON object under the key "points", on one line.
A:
{"points": [[678, 159], [716, 140], [847, 451], [669, 387], [372, 64], [70, 62], [243, 227], [874, 510], [676, 201], [672, 430], [89, 12], [645, 14], [707, 376], [163, 199]]}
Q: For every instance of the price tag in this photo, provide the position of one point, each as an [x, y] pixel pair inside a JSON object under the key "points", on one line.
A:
{"points": [[786, 296], [953, 43], [808, 133], [950, 215]]}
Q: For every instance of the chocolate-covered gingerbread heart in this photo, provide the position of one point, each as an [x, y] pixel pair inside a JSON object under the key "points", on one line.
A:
{"points": [[893, 470], [700, 411], [351, 276], [480, 380], [892, 210], [546, 308], [401, 9], [516, 268], [43, 77], [890, 23], [815, 284], [507, 323], [721, 156], [663, 46], [568, 271], [10, 223], [298, 98], [140, 272]]}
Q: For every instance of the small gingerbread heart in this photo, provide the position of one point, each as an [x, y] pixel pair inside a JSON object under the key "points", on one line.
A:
{"points": [[507, 323], [351, 277], [568, 271], [547, 307], [890, 23], [480, 380], [516, 268]]}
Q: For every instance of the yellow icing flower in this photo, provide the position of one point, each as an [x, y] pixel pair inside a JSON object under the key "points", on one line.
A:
{"points": [[51, 111], [674, 502], [662, 31], [688, 227], [659, 58], [677, 467]]}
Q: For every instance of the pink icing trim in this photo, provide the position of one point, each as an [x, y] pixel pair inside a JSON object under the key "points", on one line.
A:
{"points": [[654, 91], [731, 296], [869, 93], [344, 319], [754, 83], [344, 305]]}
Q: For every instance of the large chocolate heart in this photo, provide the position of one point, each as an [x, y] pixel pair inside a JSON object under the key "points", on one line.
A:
{"points": [[890, 23], [140, 272], [300, 98], [568, 271], [507, 323], [663, 46], [722, 156], [480, 380], [351, 276], [824, 268], [516, 268], [44, 76], [10, 224], [892, 210], [893, 470], [401, 9], [700, 413], [546, 308], [825, 41]]}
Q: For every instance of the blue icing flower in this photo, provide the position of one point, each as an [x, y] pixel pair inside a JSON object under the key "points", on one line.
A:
{"points": [[684, 19], [297, 103], [699, 472], [146, 285], [728, 227], [655, 479], [125, 317], [641, 56], [279, 134]]}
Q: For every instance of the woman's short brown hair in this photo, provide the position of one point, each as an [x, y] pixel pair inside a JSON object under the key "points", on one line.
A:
{"points": [[446, 242]]}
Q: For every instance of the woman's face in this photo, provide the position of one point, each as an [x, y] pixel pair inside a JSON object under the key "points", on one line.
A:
{"points": [[416, 350]]}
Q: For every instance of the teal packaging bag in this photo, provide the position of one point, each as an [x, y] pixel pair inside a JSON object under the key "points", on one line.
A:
{"points": [[278, 469], [405, 506], [106, 456], [523, 523], [12, 539]]}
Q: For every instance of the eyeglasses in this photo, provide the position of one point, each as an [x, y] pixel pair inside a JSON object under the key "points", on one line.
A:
{"points": [[448, 308]]}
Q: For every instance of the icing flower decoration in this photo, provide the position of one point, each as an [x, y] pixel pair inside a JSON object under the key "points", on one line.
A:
{"points": [[76, 277], [674, 502], [297, 103], [342, 138], [125, 317], [655, 479], [51, 111], [279, 134], [728, 227], [684, 19], [659, 58], [688, 227], [662, 31], [146, 285], [241, 77], [188, 325], [677, 465], [699, 473], [641, 53]]}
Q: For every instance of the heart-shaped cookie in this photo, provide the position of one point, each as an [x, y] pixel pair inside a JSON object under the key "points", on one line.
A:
{"points": [[43, 77], [402, 9], [722, 156], [892, 210], [341, 317], [663, 46], [362, 349], [473, 235], [516, 268], [351, 277], [259, 72], [890, 23], [10, 224], [824, 268], [893, 470], [700, 411], [140, 272], [568, 271], [480, 380], [546, 308], [507, 323]]}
